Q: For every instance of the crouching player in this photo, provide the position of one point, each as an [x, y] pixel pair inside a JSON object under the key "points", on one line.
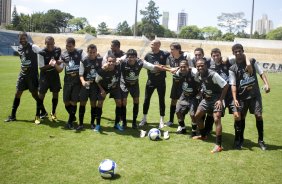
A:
{"points": [[214, 89]]}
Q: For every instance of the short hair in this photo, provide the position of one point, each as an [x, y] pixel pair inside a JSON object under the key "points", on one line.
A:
{"points": [[116, 43], [70, 40], [91, 46], [237, 46], [176, 45], [22, 33], [199, 49], [202, 60], [131, 52], [111, 56], [49, 38], [215, 50], [184, 62]]}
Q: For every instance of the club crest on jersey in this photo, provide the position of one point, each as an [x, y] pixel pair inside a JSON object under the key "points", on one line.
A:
{"points": [[71, 63], [156, 62]]}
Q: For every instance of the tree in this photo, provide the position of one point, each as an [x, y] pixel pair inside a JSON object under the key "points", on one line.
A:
{"points": [[54, 20], [78, 23], [233, 22], [150, 20], [90, 30], [169, 34], [242, 34], [15, 18], [275, 34], [228, 37], [211, 33], [103, 29], [124, 29], [191, 32]]}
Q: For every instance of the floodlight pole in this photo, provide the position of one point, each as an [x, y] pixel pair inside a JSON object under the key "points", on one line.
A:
{"points": [[252, 20], [135, 24]]}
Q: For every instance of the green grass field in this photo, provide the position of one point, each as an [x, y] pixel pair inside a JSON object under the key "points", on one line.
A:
{"points": [[47, 153]]}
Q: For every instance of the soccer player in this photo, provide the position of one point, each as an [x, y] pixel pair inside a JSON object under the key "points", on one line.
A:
{"points": [[176, 56], [88, 70], [214, 90], [246, 95], [188, 101], [71, 59], [115, 50], [108, 81], [156, 80], [28, 77], [49, 74], [130, 70]]}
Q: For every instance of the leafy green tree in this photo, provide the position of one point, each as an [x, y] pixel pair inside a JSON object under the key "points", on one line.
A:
{"points": [[275, 34], [90, 30], [211, 33], [15, 18], [150, 20], [169, 34], [103, 29], [54, 20], [233, 22], [124, 29], [228, 37], [191, 32], [242, 34], [78, 23]]}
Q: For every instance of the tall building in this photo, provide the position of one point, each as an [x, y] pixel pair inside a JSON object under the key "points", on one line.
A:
{"points": [[165, 19], [263, 25], [5, 12], [182, 20]]}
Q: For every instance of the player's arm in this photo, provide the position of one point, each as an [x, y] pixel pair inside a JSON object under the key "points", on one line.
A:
{"points": [[232, 82], [217, 79], [81, 72], [262, 75], [97, 80]]}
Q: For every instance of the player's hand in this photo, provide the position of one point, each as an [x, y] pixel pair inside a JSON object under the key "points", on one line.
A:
{"points": [[266, 88], [52, 62], [103, 93], [236, 103], [218, 104], [85, 83], [224, 60], [173, 70]]}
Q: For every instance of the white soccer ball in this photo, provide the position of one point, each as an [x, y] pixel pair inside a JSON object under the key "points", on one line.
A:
{"points": [[154, 134], [107, 168]]}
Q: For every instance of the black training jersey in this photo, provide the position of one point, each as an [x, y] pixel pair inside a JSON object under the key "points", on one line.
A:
{"points": [[157, 58], [192, 63], [130, 73], [221, 69], [210, 89], [28, 57], [47, 56], [91, 68], [175, 62], [72, 62], [246, 84], [190, 87], [110, 79], [116, 54]]}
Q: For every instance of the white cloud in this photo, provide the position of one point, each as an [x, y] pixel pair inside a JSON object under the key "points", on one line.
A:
{"points": [[23, 9], [111, 23]]}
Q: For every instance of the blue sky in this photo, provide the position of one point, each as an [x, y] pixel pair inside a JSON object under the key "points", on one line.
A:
{"points": [[200, 12]]}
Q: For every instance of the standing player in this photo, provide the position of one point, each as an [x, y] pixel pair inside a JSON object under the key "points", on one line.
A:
{"points": [[88, 69], [176, 56], [28, 77], [214, 89], [49, 74], [130, 70], [156, 80], [115, 50], [188, 101], [246, 95], [108, 81], [71, 58]]}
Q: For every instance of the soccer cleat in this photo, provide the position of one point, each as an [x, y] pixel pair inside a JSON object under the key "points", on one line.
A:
{"points": [[142, 123], [53, 116], [10, 118], [161, 125], [118, 127], [181, 130], [134, 126], [262, 145], [169, 123], [43, 115], [37, 120], [143, 133], [217, 149], [97, 128], [199, 137], [69, 125], [92, 126], [80, 127], [166, 135]]}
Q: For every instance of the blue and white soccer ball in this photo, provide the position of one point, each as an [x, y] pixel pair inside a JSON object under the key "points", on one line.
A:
{"points": [[107, 168], [154, 134]]}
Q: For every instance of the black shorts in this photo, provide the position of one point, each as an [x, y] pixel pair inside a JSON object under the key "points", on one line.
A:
{"points": [[29, 82], [49, 82], [253, 105], [176, 90], [134, 91], [208, 106], [114, 93], [71, 92], [185, 105], [91, 93]]}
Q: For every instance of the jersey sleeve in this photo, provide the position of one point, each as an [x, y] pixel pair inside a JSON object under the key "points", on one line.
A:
{"points": [[148, 65], [217, 79], [98, 78], [258, 68], [35, 48], [40, 61], [81, 69]]}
